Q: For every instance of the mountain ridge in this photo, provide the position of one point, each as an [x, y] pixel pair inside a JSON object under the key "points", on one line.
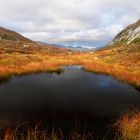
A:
{"points": [[131, 34]]}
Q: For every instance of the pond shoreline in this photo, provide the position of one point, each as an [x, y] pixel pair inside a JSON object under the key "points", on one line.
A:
{"points": [[46, 91], [6, 72]]}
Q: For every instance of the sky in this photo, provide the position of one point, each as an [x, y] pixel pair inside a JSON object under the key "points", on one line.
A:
{"points": [[89, 23]]}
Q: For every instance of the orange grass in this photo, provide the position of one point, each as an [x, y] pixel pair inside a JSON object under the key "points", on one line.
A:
{"points": [[24, 65], [33, 63], [129, 127], [24, 131], [118, 72]]}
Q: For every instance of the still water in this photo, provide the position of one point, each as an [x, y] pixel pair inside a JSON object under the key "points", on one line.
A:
{"points": [[74, 95]]}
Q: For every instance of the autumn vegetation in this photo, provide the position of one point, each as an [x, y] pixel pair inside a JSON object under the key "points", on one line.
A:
{"points": [[128, 127], [17, 60], [26, 131], [120, 61]]}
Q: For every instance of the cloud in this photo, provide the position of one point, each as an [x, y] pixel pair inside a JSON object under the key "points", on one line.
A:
{"points": [[94, 22]]}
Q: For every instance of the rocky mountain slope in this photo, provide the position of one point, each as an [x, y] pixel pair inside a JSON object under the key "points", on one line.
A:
{"points": [[130, 34], [124, 50]]}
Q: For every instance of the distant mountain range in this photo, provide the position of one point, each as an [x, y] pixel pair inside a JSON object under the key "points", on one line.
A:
{"points": [[76, 48]]}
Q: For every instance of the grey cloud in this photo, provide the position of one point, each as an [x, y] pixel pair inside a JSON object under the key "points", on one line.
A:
{"points": [[69, 21]]}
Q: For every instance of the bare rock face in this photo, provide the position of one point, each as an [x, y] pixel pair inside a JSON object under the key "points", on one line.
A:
{"points": [[129, 34]]}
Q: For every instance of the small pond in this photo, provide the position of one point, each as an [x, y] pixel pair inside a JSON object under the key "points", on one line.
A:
{"points": [[94, 100]]}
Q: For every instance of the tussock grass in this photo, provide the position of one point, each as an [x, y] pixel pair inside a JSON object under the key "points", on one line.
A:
{"points": [[34, 64], [119, 72], [24, 131], [129, 127], [25, 64]]}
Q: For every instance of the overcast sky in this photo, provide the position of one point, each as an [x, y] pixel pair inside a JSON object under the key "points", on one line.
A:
{"points": [[71, 22]]}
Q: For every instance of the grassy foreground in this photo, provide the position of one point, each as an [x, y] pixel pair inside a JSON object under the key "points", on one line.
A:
{"points": [[126, 128], [25, 132]]}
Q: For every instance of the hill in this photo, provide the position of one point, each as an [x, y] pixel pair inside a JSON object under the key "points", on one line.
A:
{"points": [[6, 34], [127, 40], [130, 34], [13, 42]]}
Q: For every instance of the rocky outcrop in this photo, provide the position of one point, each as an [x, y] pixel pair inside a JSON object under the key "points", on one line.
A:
{"points": [[128, 35]]}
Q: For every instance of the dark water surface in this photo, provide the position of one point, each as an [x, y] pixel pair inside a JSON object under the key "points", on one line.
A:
{"points": [[95, 100]]}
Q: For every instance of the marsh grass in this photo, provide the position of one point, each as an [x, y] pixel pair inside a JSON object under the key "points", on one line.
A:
{"points": [[110, 62], [119, 72], [126, 128], [129, 127], [25, 131]]}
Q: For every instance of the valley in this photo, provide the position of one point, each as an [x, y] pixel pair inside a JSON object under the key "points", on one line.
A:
{"points": [[34, 74]]}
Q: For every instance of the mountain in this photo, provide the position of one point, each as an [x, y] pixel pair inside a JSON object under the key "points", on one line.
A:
{"points": [[12, 42], [73, 48], [79, 48], [6, 34], [131, 34], [124, 50]]}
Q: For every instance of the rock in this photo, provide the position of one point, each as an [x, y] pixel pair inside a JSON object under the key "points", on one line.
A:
{"points": [[96, 58], [128, 35]]}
